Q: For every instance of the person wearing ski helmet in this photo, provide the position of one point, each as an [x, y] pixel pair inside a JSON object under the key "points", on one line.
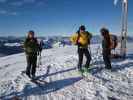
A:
{"points": [[106, 44], [31, 48], [82, 40]]}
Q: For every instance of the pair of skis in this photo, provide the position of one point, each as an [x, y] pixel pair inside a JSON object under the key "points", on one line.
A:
{"points": [[87, 74], [36, 81]]}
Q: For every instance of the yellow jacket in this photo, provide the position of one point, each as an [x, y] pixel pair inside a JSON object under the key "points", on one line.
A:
{"points": [[82, 38]]}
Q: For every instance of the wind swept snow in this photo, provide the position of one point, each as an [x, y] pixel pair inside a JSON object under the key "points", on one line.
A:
{"points": [[64, 82]]}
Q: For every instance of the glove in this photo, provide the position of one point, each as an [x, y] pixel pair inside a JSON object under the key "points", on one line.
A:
{"points": [[79, 44]]}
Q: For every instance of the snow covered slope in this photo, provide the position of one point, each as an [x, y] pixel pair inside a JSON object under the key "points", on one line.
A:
{"points": [[64, 82]]}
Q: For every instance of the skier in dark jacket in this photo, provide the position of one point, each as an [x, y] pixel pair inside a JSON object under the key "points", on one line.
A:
{"points": [[31, 48], [106, 45]]}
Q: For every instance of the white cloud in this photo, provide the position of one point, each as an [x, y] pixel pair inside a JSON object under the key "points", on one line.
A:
{"points": [[5, 12], [29, 1], [3, 1], [13, 13], [40, 3], [17, 3]]}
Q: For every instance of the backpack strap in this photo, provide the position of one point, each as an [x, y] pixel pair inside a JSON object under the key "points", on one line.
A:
{"points": [[89, 36], [78, 38]]}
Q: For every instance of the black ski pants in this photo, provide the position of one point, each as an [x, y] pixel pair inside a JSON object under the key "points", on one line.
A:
{"points": [[106, 58], [81, 53], [31, 64]]}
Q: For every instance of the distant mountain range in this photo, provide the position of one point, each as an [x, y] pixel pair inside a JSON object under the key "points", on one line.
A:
{"points": [[12, 45]]}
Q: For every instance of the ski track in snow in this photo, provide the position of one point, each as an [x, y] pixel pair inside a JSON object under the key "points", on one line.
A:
{"points": [[64, 82]]}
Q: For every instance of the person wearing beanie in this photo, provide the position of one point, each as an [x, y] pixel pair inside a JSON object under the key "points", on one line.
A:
{"points": [[106, 45], [31, 48], [82, 40]]}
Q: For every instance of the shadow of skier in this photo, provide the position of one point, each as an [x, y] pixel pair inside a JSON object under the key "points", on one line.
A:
{"points": [[130, 56], [117, 68], [46, 74], [43, 90], [55, 73]]}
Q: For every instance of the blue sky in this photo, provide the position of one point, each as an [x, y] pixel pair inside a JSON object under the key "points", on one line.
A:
{"points": [[60, 17]]}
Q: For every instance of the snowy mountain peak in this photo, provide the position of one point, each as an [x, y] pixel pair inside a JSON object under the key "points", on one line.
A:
{"points": [[58, 69]]}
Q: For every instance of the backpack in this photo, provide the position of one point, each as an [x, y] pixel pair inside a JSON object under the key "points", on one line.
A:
{"points": [[114, 41]]}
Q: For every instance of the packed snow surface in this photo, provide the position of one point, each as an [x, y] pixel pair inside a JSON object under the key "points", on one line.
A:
{"points": [[64, 82]]}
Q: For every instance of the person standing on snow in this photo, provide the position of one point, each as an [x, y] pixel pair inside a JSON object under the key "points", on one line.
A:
{"points": [[32, 49], [106, 45], [82, 40]]}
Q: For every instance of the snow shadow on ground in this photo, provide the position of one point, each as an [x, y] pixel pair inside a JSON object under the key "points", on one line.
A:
{"points": [[97, 62], [55, 73], [130, 56], [43, 89], [96, 70], [45, 75], [117, 68]]}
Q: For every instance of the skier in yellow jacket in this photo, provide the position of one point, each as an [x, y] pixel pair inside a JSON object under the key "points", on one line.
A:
{"points": [[82, 40]]}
